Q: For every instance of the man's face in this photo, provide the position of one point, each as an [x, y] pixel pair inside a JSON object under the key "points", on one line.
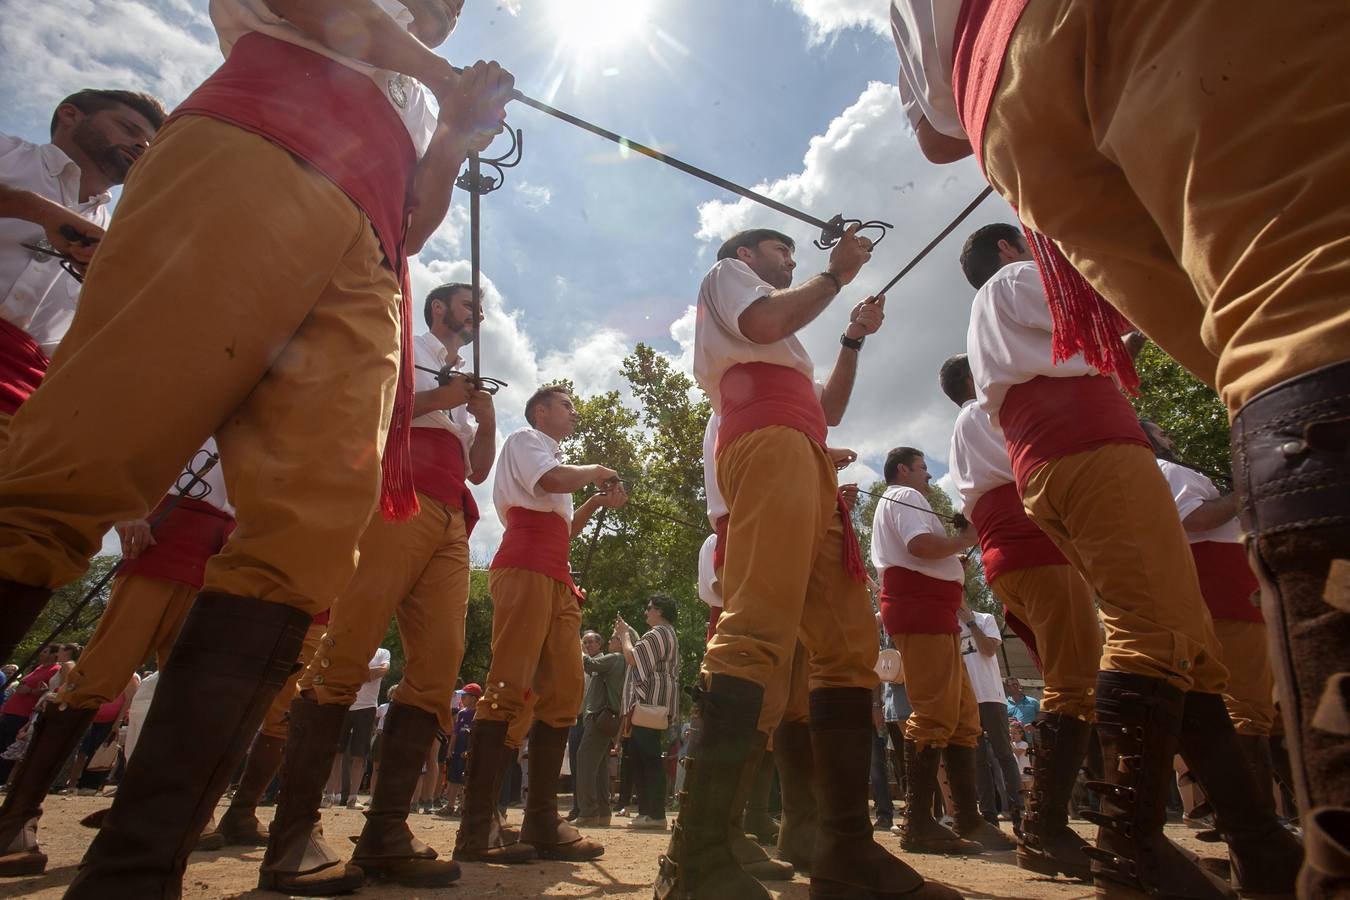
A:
{"points": [[591, 644], [557, 417], [113, 139], [771, 260], [1160, 437], [1014, 688], [47, 656], [433, 20], [470, 701], [458, 315], [1014, 251], [915, 476]]}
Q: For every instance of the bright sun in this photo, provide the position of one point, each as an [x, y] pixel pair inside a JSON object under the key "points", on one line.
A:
{"points": [[594, 26]]}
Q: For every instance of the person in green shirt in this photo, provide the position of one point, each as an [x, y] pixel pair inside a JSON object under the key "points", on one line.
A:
{"points": [[600, 713]]}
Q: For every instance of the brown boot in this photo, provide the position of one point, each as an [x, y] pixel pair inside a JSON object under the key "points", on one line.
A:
{"points": [[479, 838], [232, 656], [919, 831], [1138, 719], [849, 864], [969, 823], [758, 823], [298, 859], [239, 826], [387, 850], [1264, 857], [1048, 845], [22, 604], [750, 855], [797, 833], [55, 734], [552, 836]]}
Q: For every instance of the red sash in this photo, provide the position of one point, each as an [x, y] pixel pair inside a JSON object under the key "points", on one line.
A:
{"points": [[1009, 540], [192, 533], [1226, 580], [538, 542], [915, 603], [339, 122], [1048, 418], [758, 395], [720, 548], [322, 618], [438, 471], [1023, 631], [22, 366]]}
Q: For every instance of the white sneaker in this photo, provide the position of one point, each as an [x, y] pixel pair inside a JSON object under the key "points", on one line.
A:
{"points": [[647, 823]]}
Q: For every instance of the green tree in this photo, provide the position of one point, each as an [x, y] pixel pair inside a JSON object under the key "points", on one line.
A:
{"points": [[1186, 408], [71, 616]]}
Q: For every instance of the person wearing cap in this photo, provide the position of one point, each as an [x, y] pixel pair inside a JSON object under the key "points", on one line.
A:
{"points": [[459, 746]]}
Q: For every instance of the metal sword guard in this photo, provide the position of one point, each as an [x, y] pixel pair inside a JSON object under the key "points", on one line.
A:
{"points": [[446, 375], [838, 225], [485, 183]]}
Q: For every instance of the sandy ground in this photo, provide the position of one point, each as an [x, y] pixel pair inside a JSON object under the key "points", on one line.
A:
{"points": [[626, 869]]}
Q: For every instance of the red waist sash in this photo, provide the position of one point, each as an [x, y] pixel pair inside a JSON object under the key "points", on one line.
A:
{"points": [[192, 533], [22, 366], [538, 542], [720, 548], [339, 122], [1048, 418], [1009, 540], [915, 603], [1226, 580], [438, 471], [759, 395], [1023, 631]]}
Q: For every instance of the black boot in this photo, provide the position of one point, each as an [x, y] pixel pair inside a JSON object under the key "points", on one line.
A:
{"points": [[1138, 720], [919, 831], [239, 826], [1265, 857], [969, 823], [387, 850], [298, 859], [849, 864], [757, 819], [797, 833], [552, 836], [1048, 845], [55, 736], [232, 656], [22, 604], [479, 838], [699, 865], [749, 854]]}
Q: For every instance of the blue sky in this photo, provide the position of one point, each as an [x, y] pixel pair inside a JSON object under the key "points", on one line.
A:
{"points": [[587, 251]]}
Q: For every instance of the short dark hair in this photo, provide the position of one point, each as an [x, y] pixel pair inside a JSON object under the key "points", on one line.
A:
{"points": [[752, 239], [73, 649], [953, 375], [900, 456], [544, 395], [445, 293], [91, 100], [979, 256], [666, 605]]}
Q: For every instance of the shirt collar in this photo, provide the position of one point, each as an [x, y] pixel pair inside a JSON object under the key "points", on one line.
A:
{"points": [[433, 346], [548, 441], [60, 166]]}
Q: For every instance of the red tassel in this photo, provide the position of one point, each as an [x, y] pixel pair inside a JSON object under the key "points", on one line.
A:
{"points": [[398, 498], [1084, 322], [853, 561]]}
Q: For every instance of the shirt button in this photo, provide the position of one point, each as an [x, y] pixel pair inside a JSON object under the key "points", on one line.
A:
{"points": [[318, 679], [324, 662], [494, 706]]}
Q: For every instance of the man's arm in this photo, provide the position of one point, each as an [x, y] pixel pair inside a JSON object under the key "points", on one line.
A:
{"points": [[31, 207], [614, 497], [866, 318], [565, 479], [1211, 514], [987, 645], [938, 147], [378, 672], [361, 30], [782, 313], [932, 546], [484, 449]]}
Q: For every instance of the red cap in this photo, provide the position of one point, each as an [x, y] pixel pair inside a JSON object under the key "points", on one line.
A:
{"points": [[473, 688]]}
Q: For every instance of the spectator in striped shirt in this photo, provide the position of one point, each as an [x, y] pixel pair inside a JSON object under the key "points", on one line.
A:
{"points": [[653, 662]]}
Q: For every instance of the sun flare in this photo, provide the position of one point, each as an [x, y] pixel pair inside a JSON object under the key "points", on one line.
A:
{"points": [[600, 27]]}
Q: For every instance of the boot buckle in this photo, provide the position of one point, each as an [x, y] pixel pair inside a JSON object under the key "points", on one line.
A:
{"points": [[1120, 864]]}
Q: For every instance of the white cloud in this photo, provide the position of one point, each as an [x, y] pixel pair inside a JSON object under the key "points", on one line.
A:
{"points": [[532, 196], [827, 17]]}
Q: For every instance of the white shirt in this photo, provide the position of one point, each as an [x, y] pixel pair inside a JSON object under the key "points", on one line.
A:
{"points": [[985, 679], [527, 455], [1009, 339], [214, 480], [925, 32], [36, 294], [235, 18], [894, 526], [369, 694], [717, 505], [428, 351], [978, 460], [1189, 490], [727, 291], [709, 588]]}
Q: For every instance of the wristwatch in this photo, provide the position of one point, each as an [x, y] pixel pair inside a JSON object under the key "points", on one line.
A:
{"points": [[851, 343]]}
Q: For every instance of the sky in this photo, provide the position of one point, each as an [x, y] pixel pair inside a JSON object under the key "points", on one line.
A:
{"points": [[588, 250]]}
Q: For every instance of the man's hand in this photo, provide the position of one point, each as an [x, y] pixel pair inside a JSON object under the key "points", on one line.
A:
{"points": [[135, 536], [60, 224], [866, 317], [969, 534], [849, 494], [613, 495], [842, 458], [964, 614], [454, 394], [602, 474], [849, 255], [481, 408], [473, 102]]}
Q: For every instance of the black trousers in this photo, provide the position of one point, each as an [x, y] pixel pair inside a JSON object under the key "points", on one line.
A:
{"points": [[648, 772]]}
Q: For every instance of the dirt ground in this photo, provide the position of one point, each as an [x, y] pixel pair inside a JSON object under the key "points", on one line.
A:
{"points": [[626, 870]]}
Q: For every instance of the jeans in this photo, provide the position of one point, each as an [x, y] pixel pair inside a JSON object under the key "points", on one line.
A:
{"points": [[996, 751], [648, 772], [592, 768], [573, 742], [881, 782]]}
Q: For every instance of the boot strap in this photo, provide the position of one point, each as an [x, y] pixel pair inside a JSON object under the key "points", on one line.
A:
{"points": [[1122, 793], [1121, 865], [1118, 824]]}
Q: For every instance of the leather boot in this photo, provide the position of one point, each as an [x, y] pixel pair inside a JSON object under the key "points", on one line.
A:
{"points": [[232, 656], [22, 604], [239, 826], [919, 831], [553, 837], [797, 833], [1291, 470], [387, 850], [479, 838], [750, 855], [1138, 720], [969, 823], [57, 731], [698, 864], [298, 859], [1282, 768], [1264, 857], [1048, 846], [849, 864], [757, 820]]}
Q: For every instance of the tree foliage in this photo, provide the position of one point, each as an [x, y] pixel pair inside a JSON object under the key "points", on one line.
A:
{"points": [[1186, 408], [67, 618]]}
